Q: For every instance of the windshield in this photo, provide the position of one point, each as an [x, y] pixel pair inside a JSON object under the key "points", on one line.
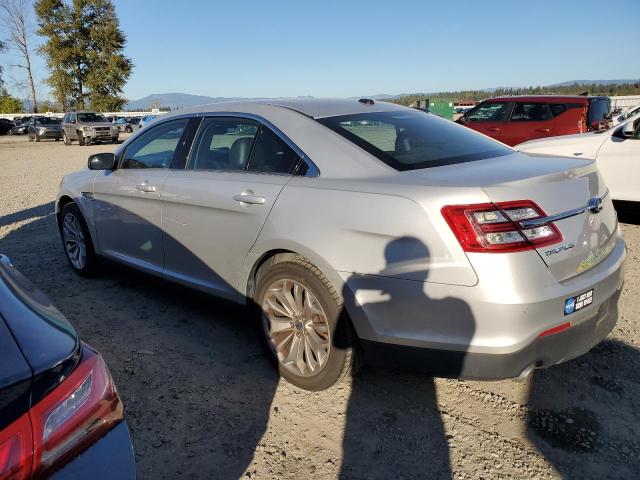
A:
{"points": [[91, 117], [412, 140], [47, 121]]}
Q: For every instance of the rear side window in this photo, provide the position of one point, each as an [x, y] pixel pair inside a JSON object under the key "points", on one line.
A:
{"points": [[489, 112], [557, 108], [224, 143], [272, 155], [155, 148], [411, 140], [241, 144], [531, 112]]}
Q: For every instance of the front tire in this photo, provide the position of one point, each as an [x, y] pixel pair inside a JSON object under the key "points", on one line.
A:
{"points": [[304, 327], [37, 137], [81, 141], [76, 241], [65, 139]]}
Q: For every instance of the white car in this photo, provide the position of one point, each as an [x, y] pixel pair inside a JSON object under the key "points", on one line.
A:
{"points": [[631, 112], [616, 151]]}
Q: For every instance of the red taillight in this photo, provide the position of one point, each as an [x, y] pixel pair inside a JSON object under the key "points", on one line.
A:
{"points": [[15, 449], [495, 227], [81, 409]]}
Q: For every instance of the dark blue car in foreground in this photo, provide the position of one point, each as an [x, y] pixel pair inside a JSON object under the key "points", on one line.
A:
{"points": [[60, 413]]}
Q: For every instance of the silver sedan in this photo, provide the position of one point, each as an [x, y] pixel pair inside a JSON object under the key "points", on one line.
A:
{"points": [[360, 230]]}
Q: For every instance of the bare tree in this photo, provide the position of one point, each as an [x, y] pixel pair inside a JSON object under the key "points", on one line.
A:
{"points": [[14, 18]]}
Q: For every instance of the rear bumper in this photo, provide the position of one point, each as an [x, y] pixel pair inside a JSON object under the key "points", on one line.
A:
{"points": [[110, 457], [491, 330], [541, 353]]}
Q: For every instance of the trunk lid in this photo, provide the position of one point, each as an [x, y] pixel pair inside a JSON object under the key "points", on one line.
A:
{"points": [[46, 340], [588, 235]]}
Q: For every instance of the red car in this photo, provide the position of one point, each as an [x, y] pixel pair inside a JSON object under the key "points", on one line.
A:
{"points": [[513, 120]]}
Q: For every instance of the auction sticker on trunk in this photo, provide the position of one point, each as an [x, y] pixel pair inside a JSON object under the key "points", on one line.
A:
{"points": [[578, 302]]}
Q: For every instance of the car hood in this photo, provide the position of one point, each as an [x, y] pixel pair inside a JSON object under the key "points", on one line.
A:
{"points": [[584, 145]]}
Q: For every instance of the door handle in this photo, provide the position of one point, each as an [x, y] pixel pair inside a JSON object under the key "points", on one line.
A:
{"points": [[143, 187], [543, 130], [493, 129], [249, 198]]}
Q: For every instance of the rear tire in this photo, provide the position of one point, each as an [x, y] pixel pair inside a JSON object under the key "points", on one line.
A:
{"points": [[76, 241], [314, 347]]}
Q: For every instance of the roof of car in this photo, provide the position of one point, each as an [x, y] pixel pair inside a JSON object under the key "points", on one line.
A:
{"points": [[311, 107], [544, 98]]}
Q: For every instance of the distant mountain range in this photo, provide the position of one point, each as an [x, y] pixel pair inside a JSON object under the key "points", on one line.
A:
{"points": [[185, 100]]}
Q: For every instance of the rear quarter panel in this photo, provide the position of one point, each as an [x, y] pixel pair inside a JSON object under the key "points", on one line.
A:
{"points": [[349, 226]]}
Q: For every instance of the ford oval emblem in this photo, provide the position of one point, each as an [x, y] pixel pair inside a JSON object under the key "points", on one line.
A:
{"points": [[595, 204]]}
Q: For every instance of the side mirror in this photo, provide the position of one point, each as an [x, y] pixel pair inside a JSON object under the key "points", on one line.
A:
{"points": [[628, 131], [102, 161]]}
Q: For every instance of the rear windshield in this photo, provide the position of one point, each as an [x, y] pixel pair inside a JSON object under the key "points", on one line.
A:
{"points": [[598, 110], [413, 140], [91, 117]]}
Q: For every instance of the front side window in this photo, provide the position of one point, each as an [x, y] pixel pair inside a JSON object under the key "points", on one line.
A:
{"points": [[489, 112], [413, 140], [531, 112], [223, 143], [155, 148]]}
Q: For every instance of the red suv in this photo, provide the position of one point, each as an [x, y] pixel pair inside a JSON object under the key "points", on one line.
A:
{"points": [[513, 120]]}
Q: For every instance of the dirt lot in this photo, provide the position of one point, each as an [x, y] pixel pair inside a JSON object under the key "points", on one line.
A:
{"points": [[202, 401]]}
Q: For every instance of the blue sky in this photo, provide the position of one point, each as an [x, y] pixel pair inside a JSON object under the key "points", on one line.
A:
{"points": [[346, 48]]}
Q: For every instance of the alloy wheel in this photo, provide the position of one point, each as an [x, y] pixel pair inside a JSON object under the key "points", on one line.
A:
{"points": [[74, 241], [297, 327]]}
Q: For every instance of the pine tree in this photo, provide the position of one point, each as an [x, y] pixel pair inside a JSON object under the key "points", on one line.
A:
{"points": [[83, 50]]}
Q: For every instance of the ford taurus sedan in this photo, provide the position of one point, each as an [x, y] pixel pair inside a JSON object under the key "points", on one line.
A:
{"points": [[361, 229]]}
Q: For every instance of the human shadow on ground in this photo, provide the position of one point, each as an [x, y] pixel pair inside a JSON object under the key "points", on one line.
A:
{"points": [[584, 415], [393, 427]]}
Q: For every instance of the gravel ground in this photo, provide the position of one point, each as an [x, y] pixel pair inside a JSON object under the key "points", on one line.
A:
{"points": [[202, 401]]}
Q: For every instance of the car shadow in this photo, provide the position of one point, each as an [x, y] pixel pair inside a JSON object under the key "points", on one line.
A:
{"points": [[393, 421], [28, 214], [584, 415]]}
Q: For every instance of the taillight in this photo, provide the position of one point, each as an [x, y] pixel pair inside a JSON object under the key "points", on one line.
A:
{"points": [[75, 414], [495, 227], [15, 449]]}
